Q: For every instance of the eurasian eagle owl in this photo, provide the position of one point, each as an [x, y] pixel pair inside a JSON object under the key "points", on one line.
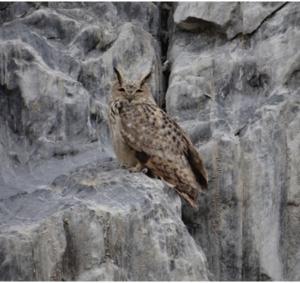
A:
{"points": [[145, 138]]}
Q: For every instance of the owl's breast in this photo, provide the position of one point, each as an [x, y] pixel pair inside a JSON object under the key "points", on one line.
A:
{"points": [[124, 153]]}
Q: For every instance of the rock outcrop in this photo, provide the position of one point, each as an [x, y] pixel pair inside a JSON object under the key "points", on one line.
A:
{"points": [[98, 223], [231, 79], [234, 87]]}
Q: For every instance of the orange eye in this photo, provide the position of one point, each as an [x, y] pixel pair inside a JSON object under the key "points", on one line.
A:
{"points": [[121, 89]]}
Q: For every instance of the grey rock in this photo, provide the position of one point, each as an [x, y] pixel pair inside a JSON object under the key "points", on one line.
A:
{"points": [[254, 14], [72, 48], [231, 75], [146, 15], [98, 223], [67, 212], [228, 18], [238, 97], [224, 17]]}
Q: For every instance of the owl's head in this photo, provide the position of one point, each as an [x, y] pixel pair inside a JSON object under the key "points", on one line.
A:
{"points": [[132, 91]]}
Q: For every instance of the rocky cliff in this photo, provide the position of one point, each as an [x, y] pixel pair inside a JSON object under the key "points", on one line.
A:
{"points": [[227, 72]]}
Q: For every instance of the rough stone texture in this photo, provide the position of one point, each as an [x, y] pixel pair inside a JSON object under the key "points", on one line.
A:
{"points": [[56, 62], [234, 85], [228, 18], [97, 223], [68, 213]]}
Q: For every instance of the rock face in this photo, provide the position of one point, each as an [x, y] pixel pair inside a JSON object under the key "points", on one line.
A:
{"points": [[67, 212], [234, 85], [98, 223]]}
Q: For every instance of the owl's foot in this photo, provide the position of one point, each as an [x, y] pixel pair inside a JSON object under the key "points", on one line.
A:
{"points": [[138, 168]]}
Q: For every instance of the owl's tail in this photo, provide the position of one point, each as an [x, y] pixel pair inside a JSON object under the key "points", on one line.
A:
{"points": [[197, 166], [188, 193]]}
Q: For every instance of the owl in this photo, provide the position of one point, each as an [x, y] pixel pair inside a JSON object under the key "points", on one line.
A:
{"points": [[146, 139]]}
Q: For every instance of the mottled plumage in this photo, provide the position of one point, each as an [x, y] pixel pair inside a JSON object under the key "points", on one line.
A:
{"points": [[145, 137]]}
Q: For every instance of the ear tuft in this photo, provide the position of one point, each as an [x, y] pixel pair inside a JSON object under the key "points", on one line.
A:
{"points": [[145, 78], [119, 75]]}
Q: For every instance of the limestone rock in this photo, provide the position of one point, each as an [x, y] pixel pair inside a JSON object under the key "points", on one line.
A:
{"points": [[227, 18], [231, 75], [238, 97], [224, 17], [56, 61], [67, 212], [98, 223]]}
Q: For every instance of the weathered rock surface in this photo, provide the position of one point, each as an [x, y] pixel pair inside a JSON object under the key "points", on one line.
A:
{"points": [[234, 85], [68, 213], [97, 223], [227, 18], [56, 66], [65, 212]]}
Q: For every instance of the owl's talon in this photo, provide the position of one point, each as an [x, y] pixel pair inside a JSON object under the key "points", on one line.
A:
{"points": [[138, 168], [118, 105], [135, 169]]}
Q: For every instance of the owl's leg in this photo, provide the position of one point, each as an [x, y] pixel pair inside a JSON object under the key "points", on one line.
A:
{"points": [[123, 166], [138, 168]]}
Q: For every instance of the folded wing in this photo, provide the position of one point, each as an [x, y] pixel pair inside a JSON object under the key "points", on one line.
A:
{"points": [[163, 147]]}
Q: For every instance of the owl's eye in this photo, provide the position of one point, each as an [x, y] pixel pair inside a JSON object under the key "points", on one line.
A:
{"points": [[121, 89], [139, 90]]}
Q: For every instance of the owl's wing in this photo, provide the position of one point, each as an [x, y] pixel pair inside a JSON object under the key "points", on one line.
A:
{"points": [[153, 134], [197, 165], [147, 128]]}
